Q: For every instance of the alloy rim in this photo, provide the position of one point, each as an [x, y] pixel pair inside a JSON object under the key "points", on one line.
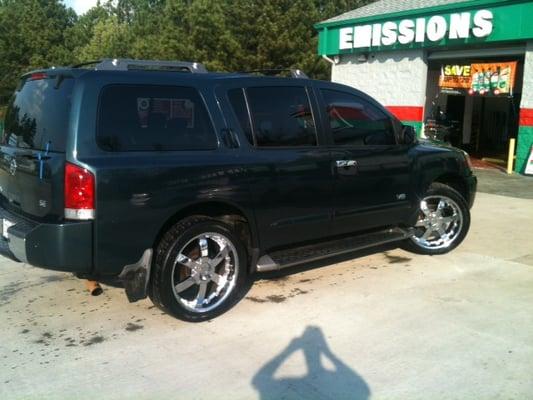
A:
{"points": [[205, 272], [439, 223]]}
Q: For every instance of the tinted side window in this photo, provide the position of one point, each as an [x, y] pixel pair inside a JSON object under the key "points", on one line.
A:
{"points": [[38, 115], [281, 116], [356, 122], [144, 118], [238, 103]]}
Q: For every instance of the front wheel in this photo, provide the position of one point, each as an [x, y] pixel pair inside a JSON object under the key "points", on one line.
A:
{"points": [[199, 270], [443, 221]]}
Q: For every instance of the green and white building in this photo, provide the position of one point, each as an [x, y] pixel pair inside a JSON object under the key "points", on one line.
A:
{"points": [[419, 56]]}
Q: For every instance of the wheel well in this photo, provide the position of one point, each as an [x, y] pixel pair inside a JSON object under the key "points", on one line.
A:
{"points": [[455, 182], [223, 212]]}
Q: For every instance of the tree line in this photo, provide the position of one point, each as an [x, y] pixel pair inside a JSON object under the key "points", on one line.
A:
{"points": [[225, 35]]}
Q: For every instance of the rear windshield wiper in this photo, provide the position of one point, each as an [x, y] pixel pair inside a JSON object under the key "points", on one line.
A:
{"points": [[28, 153]]}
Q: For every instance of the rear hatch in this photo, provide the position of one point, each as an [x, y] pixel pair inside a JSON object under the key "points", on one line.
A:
{"points": [[32, 151]]}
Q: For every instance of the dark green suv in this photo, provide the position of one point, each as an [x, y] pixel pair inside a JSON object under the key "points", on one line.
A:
{"points": [[183, 183]]}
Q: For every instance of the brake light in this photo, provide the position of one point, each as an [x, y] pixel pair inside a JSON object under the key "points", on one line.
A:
{"points": [[37, 76], [79, 193]]}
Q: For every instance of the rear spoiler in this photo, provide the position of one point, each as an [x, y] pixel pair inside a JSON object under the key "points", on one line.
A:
{"points": [[128, 64]]}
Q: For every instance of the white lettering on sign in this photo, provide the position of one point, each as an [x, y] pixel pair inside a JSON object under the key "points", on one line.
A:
{"points": [[410, 31], [346, 38], [459, 26], [436, 28], [482, 24], [389, 36], [420, 30], [362, 36], [376, 35], [406, 31]]}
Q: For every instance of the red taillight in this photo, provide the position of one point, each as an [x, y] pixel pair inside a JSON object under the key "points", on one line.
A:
{"points": [[79, 192], [37, 76]]}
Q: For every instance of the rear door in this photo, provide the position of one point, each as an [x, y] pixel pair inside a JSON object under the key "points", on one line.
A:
{"points": [[287, 165], [372, 171], [32, 154]]}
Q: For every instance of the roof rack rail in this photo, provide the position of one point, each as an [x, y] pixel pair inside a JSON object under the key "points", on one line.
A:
{"points": [[295, 73], [127, 64]]}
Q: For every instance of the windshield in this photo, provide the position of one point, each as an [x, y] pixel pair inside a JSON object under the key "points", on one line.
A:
{"points": [[38, 114]]}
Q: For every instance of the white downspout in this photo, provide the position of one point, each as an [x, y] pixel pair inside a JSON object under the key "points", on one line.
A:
{"points": [[325, 57], [332, 62]]}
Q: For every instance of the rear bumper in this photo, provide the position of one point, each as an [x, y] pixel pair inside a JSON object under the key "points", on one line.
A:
{"points": [[61, 247]]}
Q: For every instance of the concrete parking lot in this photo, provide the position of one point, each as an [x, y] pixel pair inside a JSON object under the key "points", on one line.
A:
{"points": [[383, 325]]}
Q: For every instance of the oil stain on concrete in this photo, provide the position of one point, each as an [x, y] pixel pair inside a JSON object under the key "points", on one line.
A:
{"points": [[131, 327]]}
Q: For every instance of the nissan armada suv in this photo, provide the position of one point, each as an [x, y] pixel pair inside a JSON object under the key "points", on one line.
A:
{"points": [[183, 183]]}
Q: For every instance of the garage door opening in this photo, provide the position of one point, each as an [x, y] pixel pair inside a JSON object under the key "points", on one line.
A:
{"points": [[473, 104]]}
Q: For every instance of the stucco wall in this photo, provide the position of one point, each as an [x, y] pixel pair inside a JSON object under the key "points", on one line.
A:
{"points": [[393, 78], [527, 88]]}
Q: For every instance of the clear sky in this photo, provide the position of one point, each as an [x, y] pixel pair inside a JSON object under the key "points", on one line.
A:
{"points": [[80, 6]]}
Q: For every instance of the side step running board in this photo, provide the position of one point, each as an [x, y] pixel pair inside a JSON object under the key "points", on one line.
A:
{"points": [[299, 255]]}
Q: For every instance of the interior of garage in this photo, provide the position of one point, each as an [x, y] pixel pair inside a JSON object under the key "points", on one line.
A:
{"points": [[479, 121]]}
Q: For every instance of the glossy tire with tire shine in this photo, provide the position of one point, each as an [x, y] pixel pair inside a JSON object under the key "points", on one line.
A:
{"points": [[443, 221], [200, 269]]}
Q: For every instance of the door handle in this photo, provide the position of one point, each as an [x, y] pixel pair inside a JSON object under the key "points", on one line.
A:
{"points": [[346, 164], [347, 167]]}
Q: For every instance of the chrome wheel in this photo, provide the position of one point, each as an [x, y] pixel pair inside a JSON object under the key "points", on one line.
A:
{"points": [[205, 272], [439, 224]]}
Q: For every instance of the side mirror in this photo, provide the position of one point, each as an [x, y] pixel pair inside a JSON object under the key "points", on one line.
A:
{"points": [[408, 134]]}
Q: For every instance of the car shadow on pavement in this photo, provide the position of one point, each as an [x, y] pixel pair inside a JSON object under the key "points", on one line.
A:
{"points": [[327, 376]]}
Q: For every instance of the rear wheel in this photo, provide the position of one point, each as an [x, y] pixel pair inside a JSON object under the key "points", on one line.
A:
{"points": [[443, 221], [199, 270]]}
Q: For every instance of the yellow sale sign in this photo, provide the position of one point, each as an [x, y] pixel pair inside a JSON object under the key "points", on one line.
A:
{"points": [[480, 78], [456, 76]]}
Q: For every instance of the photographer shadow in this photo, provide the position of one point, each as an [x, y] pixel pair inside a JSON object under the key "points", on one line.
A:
{"points": [[339, 382]]}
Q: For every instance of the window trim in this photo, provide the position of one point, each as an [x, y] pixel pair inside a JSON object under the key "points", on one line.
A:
{"points": [[149, 85], [362, 98], [252, 124], [250, 119], [248, 114]]}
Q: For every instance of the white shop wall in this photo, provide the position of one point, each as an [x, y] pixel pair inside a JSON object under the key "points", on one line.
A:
{"points": [[396, 78], [527, 88]]}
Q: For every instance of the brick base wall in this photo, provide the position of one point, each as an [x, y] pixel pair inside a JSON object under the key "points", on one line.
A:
{"points": [[525, 139], [525, 130]]}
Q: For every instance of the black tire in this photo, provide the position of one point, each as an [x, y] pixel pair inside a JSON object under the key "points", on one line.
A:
{"points": [[435, 190], [162, 281]]}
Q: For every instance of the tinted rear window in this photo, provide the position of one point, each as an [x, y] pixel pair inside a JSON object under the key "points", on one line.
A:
{"points": [[38, 115], [147, 118], [281, 116]]}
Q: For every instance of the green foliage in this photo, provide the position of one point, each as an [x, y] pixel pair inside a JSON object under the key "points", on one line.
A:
{"points": [[31, 36], [226, 35]]}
